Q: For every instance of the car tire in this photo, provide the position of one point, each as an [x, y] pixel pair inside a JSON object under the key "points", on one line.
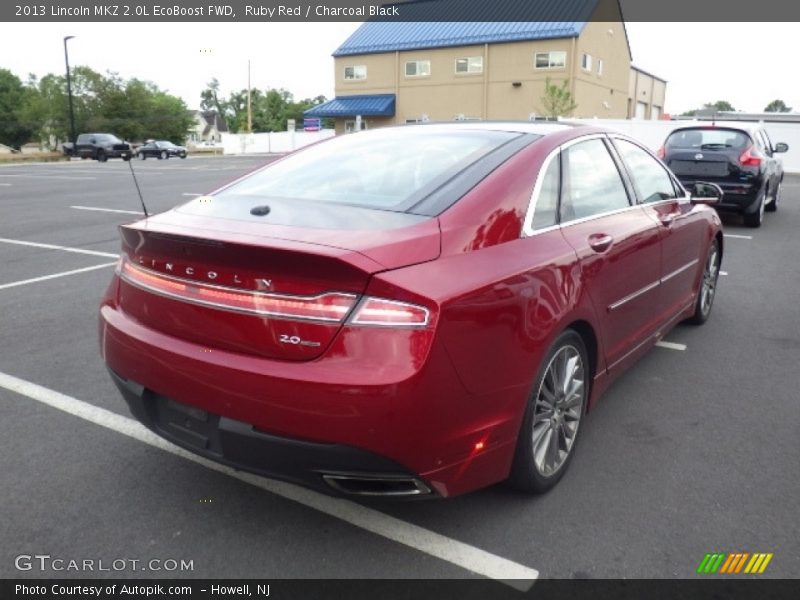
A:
{"points": [[183, 155], [164, 154], [708, 286], [755, 219], [773, 206], [551, 423], [126, 157], [101, 156], [142, 156]]}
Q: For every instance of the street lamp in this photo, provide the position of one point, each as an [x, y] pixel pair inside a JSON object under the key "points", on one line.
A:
{"points": [[69, 94]]}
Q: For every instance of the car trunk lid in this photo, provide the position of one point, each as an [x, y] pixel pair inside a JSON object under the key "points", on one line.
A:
{"points": [[275, 291]]}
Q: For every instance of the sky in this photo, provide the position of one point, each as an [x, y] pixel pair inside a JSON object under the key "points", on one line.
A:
{"points": [[747, 64]]}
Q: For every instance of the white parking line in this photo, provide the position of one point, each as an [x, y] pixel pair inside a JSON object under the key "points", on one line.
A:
{"points": [[671, 346], [111, 210], [458, 553], [5, 184], [43, 175], [62, 248], [55, 275], [738, 237], [723, 272]]}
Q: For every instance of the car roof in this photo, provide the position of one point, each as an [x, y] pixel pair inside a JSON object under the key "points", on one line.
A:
{"points": [[747, 126], [512, 126]]}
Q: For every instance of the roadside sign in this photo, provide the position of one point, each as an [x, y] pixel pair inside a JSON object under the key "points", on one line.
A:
{"points": [[312, 124]]}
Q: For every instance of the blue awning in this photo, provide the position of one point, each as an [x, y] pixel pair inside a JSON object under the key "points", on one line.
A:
{"points": [[368, 105]]}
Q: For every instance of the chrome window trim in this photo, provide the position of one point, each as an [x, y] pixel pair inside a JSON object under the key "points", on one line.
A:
{"points": [[601, 215], [581, 220], [527, 224]]}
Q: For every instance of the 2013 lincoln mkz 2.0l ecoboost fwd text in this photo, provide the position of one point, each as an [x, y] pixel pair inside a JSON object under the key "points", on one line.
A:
{"points": [[412, 311]]}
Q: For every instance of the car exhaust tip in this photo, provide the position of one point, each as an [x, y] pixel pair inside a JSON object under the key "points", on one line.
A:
{"points": [[376, 485]]}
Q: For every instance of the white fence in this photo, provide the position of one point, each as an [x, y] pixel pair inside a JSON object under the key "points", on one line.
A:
{"points": [[279, 142], [653, 134]]}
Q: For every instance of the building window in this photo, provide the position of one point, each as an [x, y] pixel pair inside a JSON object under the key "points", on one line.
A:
{"points": [[550, 60], [599, 67], [418, 68], [352, 126], [355, 72], [586, 62], [470, 64]]}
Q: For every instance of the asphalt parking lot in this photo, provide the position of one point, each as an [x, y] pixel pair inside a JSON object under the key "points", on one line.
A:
{"points": [[695, 450]]}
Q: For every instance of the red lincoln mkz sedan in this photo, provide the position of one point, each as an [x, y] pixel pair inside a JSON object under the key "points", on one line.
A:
{"points": [[422, 310]]}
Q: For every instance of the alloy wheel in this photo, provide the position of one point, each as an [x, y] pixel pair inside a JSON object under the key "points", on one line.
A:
{"points": [[709, 285], [558, 410]]}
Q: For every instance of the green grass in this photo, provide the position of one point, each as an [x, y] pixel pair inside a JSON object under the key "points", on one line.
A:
{"points": [[34, 157]]}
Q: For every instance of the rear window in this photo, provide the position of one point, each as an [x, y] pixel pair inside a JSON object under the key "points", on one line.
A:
{"points": [[708, 138], [383, 169]]}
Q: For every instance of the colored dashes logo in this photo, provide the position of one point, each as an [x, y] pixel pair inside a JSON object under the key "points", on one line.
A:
{"points": [[734, 563]]}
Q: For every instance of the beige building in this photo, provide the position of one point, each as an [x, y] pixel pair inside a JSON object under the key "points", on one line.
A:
{"points": [[392, 73], [646, 94]]}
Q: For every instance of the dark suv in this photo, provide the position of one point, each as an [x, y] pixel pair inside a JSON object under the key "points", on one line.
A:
{"points": [[739, 157], [102, 146]]}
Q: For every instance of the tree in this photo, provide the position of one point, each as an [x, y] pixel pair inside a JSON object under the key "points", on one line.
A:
{"points": [[44, 110], [270, 108], [777, 106], [210, 100], [137, 110], [719, 106], [13, 95], [557, 101]]}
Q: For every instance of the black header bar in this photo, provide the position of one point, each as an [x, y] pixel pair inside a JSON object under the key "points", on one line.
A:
{"points": [[131, 11]]}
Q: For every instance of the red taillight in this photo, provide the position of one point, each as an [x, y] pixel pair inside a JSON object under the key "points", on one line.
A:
{"points": [[376, 311], [330, 307], [750, 158], [660, 153]]}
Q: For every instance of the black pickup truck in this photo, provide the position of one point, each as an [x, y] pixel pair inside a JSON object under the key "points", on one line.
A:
{"points": [[100, 146]]}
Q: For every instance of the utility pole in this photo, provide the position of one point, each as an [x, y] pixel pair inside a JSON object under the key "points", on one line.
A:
{"points": [[249, 106], [69, 95]]}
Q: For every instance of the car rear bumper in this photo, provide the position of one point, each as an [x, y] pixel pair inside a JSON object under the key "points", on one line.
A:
{"points": [[303, 421], [331, 468]]}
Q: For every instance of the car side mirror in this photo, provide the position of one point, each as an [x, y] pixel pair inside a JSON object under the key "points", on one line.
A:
{"points": [[781, 147], [706, 193]]}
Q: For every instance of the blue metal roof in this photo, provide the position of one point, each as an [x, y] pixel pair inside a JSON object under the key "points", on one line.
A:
{"points": [[558, 20], [367, 105]]}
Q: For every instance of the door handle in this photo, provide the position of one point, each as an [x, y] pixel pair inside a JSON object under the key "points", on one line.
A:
{"points": [[667, 219], [600, 242]]}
